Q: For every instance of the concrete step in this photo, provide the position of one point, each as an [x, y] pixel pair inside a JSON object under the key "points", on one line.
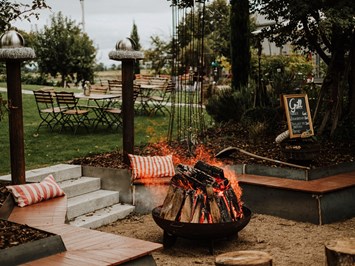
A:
{"points": [[60, 172], [103, 216], [92, 201], [80, 186]]}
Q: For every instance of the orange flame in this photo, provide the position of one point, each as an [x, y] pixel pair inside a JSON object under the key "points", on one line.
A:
{"points": [[201, 153]]}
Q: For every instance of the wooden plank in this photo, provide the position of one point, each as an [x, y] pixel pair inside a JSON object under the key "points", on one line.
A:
{"points": [[322, 185]]}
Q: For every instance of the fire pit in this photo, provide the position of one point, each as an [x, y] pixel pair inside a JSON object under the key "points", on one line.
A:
{"points": [[201, 204], [197, 231]]}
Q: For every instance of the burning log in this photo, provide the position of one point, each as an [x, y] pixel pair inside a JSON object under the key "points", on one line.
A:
{"points": [[201, 194]]}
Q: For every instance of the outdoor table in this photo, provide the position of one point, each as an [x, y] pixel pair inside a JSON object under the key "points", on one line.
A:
{"points": [[101, 103], [146, 92]]}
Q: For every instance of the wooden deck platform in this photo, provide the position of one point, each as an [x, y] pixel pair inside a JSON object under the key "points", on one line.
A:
{"points": [[84, 246], [325, 200]]}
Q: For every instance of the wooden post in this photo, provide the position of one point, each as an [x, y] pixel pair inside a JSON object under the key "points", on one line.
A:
{"points": [[14, 93], [127, 108], [124, 52], [13, 53], [340, 252], [243, 258]]}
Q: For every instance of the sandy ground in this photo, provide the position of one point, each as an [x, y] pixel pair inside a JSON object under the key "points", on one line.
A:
{"points": [[288, 242]]}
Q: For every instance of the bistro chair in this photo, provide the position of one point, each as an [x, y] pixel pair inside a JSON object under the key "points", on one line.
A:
{"points": [[115, 87], [72, 114], [114, 114], [160, 102], [48, 112]]}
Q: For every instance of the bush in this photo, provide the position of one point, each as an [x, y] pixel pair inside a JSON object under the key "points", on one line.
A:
{"points": [[228, 105]]}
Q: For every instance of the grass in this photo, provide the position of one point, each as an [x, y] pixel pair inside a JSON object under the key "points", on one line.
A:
{"points": [[48, 148]]}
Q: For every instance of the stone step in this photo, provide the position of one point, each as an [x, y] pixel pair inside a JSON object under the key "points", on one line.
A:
{"points": [[60, 172], [103, 216], [80, 186], [92, 201]]}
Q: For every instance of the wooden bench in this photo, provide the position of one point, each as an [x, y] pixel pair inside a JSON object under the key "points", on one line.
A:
{"points": [[84, 246]]}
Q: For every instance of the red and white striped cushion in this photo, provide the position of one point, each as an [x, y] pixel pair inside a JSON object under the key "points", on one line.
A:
{"points": [[151, 166], [32, 193]]}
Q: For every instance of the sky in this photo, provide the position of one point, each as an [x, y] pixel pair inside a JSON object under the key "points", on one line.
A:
{"points": [[108, 21]]}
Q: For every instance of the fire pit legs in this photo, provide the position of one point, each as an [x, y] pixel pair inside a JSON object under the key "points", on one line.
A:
{"points": [[211, 247], [168, 240]]}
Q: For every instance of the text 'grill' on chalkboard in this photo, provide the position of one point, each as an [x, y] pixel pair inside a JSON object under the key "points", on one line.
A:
{"points": [[298, 115]]}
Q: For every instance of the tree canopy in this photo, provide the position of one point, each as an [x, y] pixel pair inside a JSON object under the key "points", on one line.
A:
{"points": [[326, 27], [62, 48], [10, 12]]}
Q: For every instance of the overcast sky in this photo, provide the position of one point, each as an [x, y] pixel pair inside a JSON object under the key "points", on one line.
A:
{"points": [[108, 21]]}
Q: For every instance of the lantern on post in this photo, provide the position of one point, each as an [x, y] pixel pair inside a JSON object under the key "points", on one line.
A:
{"points": [[124, 52], [13, 52]]}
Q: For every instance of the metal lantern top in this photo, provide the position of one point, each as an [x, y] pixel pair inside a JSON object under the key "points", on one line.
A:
{"points": [[124, 51], [12, 47]]}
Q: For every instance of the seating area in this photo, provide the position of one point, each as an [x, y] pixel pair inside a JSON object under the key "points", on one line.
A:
{"points": [[100, 105], [83, 246]]}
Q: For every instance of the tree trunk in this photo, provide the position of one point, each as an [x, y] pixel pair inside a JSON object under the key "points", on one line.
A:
{"points": [[351, 79], [244, 258], [340, 252], [240, 51], [332, 87]]}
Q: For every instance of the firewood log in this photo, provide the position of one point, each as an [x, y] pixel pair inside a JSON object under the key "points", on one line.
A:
{"points": [[176, 203], [213, 205], [340, 252], [197, 208], [186, 211], [167, 204]]}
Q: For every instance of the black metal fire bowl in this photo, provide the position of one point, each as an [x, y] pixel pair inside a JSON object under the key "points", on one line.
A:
{"points": [[198, 231]]}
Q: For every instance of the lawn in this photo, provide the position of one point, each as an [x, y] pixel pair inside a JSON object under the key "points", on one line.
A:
{"points": [[48, 148]]}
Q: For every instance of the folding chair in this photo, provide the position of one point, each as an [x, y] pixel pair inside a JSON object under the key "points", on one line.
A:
{"points": [[48, 112], [161, 101], [72, 114], [114, 114]]}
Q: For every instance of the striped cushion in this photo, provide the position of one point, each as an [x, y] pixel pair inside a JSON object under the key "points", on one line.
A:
{"points": [[32, 193], [151, 166]]}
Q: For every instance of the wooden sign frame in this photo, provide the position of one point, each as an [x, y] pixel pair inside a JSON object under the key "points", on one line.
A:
{"points": [[298, 115]]}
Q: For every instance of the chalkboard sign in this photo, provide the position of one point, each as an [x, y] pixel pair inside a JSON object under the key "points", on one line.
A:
{"points": [[298, 115]]}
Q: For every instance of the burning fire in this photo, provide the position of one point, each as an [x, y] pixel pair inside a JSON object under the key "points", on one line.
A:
{"points": [[213, 201], [201, 153]]}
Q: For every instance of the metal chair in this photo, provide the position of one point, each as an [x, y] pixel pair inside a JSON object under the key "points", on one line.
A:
{"points": [[160, 102], [48, 112], [114, 114], [72, 114]]}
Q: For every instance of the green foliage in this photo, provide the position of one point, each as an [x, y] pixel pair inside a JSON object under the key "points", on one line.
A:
{"points": [[228, 105], [3, 109], [10, 12], [62, 48], [285, 73], [281, 74], [137, 46], [158, 54]]}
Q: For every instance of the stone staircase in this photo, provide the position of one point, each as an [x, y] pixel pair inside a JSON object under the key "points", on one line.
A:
{"points": [[89, 206]]}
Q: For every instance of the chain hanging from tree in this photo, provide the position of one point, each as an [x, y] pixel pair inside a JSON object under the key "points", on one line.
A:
{"points": [[188, 71]]}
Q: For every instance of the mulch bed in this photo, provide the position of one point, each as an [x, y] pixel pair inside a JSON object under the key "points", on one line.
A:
{"points": [[331, 153], [14, 234]]}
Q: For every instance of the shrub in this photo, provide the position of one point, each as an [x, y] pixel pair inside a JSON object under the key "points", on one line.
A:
{"points": [[228, 105]]}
